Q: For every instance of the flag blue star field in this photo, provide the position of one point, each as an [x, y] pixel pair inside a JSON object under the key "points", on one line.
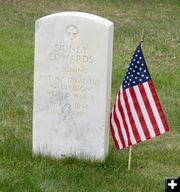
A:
{"points": [[137, 114]]}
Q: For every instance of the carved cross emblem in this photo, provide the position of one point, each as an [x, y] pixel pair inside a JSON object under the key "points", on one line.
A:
{"points": [[72, 31]]}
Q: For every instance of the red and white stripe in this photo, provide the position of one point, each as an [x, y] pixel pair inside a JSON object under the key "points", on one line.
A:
{"points": [[137, 115]]}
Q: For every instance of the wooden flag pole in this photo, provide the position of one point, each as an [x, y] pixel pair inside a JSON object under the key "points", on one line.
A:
{"points": [[142, 37], [129, 160], [130, 148]]}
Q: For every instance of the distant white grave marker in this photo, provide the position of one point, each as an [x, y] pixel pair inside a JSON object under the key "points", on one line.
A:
{"points": [[72, 85]]}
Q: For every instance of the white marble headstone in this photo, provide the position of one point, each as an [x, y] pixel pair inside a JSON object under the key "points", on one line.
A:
{"points": [[72, 85]]}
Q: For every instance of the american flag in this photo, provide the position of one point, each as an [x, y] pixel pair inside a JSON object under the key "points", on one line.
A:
{"points": [[137, 114]]}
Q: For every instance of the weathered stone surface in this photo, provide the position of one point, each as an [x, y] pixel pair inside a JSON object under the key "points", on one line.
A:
{"points": [[72, 85]]}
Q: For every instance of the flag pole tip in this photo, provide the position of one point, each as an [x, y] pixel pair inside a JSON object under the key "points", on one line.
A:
{"points": [[142, 37]]}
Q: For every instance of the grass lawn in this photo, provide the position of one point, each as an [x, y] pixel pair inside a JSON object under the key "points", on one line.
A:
{"points": [[152, 161]]}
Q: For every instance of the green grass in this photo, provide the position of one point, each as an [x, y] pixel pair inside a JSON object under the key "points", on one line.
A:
{"points": [[152, 161]]}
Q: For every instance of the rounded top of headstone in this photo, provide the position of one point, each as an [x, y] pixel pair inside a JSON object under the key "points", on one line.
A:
{"points": [[89, 16]]}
